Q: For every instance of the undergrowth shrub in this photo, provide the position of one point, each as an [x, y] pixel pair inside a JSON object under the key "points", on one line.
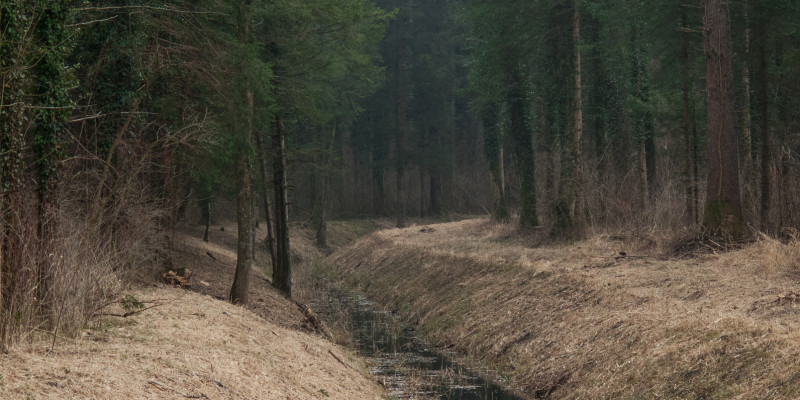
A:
{"points": [[57, 286]]}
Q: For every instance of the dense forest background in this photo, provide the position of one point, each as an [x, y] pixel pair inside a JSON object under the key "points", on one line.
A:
{"points": [[119, 119], [472, 86]]}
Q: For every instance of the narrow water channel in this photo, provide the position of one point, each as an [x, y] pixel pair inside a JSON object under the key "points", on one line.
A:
{"points": [[408, 367]]}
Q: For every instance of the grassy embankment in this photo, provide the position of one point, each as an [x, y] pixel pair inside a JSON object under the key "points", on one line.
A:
{"points": [[580, 321], [190, 345]]}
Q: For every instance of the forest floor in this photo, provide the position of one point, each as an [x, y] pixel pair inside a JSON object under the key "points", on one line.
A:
{"points": [[575, 320], [192, 343], [613, 316]]}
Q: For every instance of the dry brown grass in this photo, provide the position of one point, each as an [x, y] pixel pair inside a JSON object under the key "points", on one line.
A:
{"points": [[313, 281], [213, 265], [780, 257], [189, 346], [213, 276], [577, 321]]}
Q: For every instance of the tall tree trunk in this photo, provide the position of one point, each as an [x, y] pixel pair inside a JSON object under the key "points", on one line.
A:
{"points": [[12, 144], [501, 182], [687, 124], [402, 125], [643, 121], [244, 218], [11, 256], [377, 191], [782, 137], [435, 192], [569, 207], [401, 195], [282, 271], [577, 121], [421, 192], [322, 228], [650, 154], [644, 190], [377, 161], [50, 90], [244, 190], [767, 172], [748, 173], [493, 149], [206, 216], [688, 173], [723, 209], [262, 163], [747, 151], [523, 147], [550, 146], [254, 225], [600, 136], [696, 171]]}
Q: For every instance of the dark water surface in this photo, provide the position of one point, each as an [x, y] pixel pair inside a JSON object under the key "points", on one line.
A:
{"points": [[407, 366]]}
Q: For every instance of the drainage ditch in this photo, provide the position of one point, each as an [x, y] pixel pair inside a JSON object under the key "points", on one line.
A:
{"points": [[405, 364]]}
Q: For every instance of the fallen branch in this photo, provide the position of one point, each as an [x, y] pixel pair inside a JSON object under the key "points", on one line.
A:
{"points": [[338, 359], [315, 324], [134, 312], [52, 334]]}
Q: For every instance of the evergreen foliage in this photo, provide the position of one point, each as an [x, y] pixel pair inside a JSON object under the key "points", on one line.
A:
{"points": [[575, 116]]}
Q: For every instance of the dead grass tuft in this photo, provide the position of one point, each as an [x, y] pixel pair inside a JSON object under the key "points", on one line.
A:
{"points": [[780, 257]]}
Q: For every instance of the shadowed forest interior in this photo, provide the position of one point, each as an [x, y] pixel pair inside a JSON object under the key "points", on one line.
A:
{"points": [[124, 121]]}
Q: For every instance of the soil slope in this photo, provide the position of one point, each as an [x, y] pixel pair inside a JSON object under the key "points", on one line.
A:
{"points": [[582, 321], [191, 345], [188, 346]]}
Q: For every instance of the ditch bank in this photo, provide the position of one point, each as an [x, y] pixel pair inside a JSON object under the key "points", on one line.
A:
{"points": [[176, 344], [582, 321]]}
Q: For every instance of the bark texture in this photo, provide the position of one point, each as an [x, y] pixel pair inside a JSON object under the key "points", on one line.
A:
{"points": [[493, 149], [569, 207], [262, 163], [723, 210], [523, 147], [244, 187], [688, 128], [327, 162], [244, 218], [282, 270], [206, 216], [767, 170]]}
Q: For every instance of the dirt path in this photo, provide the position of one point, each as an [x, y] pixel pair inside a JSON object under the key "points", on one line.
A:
{"points": [[583, 321]]}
